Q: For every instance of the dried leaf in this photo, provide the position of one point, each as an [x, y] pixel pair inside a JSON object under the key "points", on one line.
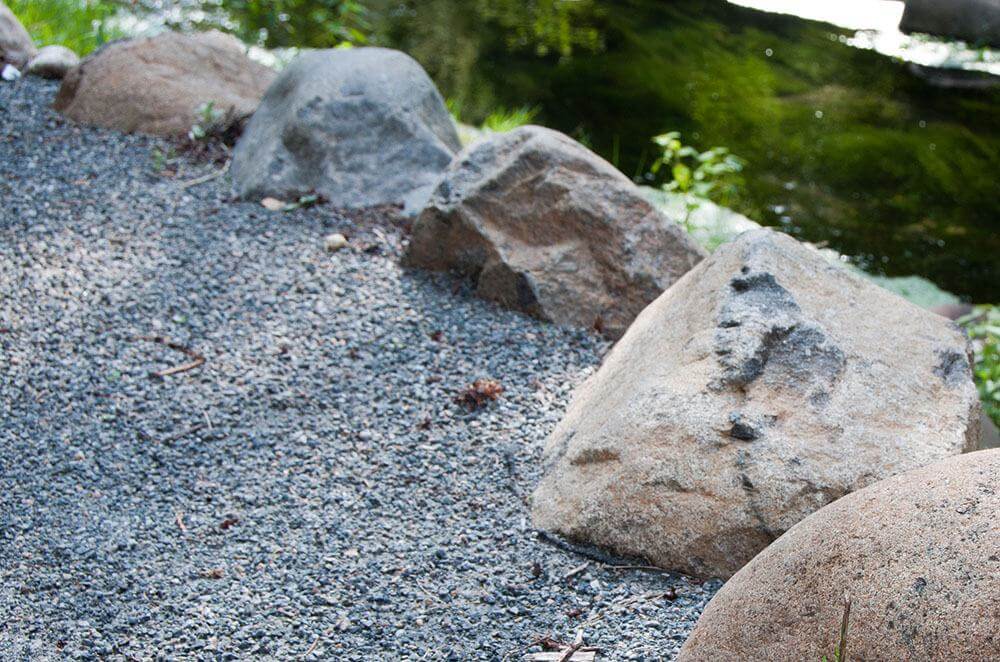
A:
{"points": [[479, 393]]}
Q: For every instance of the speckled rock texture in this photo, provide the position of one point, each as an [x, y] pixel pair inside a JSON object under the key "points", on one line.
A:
{"points": [[763, 385], [362, 126], [545, 226], [156, 85], [16, 47], [917, 554]]}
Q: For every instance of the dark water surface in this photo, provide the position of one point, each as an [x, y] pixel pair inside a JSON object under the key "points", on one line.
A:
{"points": [[842, 145]]}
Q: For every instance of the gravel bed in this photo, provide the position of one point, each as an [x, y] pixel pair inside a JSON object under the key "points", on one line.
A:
{"points": [[312, 490]]}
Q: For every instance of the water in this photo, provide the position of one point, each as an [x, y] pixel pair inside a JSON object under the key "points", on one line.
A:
{"points": [[844, 145]]}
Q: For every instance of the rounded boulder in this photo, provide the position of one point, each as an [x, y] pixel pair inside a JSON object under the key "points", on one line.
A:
{"points": [[917, 557]]}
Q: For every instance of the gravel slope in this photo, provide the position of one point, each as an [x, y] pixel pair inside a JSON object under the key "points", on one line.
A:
{"points": [[311, 490]]}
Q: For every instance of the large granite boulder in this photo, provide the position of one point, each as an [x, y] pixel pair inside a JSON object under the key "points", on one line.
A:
{"points": [[546, 226], [363, 127], [917, 555], [157, 85], [53, 62], [975, 21], [16, 47], [763, 385]]}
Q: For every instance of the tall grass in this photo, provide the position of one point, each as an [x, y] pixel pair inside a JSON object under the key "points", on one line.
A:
{"points": [[502, 119], [81, 25]]}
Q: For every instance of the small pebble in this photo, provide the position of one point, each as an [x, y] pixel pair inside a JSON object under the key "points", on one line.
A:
{"points": [[334, 242]]}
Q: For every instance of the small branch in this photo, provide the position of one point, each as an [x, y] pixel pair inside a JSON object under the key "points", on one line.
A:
{"points": [[182, 433], [207, 178], [311, 648], [649, 568], [576, 645], [184, 367], [197, 359]]}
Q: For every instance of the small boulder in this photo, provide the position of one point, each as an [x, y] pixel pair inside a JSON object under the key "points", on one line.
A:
{"points": [[16, 47], [917, 555], [158, 84], [763, 385], [547, 227], [974, 21], [53, 62], [363, 127]]}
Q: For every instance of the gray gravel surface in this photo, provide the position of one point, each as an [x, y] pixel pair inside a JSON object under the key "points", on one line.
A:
{"points": [[311, 491]]}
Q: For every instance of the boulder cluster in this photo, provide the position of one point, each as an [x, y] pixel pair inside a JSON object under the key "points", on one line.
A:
{"points": [[761, 408], [18, 52]]}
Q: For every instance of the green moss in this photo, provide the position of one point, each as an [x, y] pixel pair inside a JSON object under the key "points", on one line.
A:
{"points": [[843, 146]]}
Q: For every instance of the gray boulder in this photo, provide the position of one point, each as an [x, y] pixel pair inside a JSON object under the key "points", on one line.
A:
{"points": [[975, 21], [763, 385], [53, 62], [16, 47], [361, 126], [547, 227]]}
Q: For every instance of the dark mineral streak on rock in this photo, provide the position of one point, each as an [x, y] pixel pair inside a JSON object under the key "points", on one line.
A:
{"points": [[953, 367], [760, 322]]}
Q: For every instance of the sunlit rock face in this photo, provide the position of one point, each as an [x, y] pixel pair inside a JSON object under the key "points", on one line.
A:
{"points": [[763, 385], [161, 85], [916, 556], [362, 126], [545, 226]]}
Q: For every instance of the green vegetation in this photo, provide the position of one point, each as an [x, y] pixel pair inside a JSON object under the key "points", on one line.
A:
{"points": [[81, 25], [284, 23], [208, 120], [983, 327], [696, 175], [502, 120], [840, 653], [848, 147]]}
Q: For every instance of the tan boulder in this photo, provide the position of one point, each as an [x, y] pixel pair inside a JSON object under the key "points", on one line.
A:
{"points": [[53, 62], [918, 555], [156, 85], [547, 227], [763, 385], [16, 47]]}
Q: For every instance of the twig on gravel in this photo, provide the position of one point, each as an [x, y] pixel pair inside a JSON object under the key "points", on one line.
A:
{"points": [[430, 595], [586, 551], [623, 603], [197, 359], [182, 433], [574, 647], [311, 648], [179, 518], [577, 570], [649, 568], [207, 178]]}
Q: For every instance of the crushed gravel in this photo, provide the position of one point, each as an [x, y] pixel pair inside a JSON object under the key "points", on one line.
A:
{"points": [[312, 490]]}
